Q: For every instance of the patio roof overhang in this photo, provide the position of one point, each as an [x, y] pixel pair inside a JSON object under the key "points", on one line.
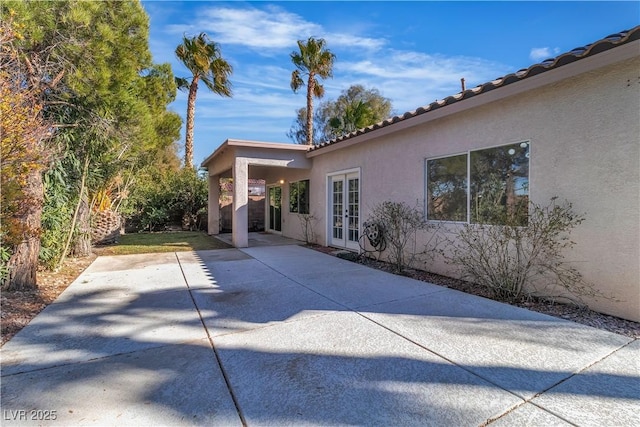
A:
{"points": [[255, 153], [244, 160]]}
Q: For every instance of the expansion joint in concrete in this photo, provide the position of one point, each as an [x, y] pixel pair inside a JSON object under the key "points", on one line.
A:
{"points": [[213, 348]]}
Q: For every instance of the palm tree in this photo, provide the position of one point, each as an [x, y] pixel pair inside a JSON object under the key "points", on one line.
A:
{"points": [[202, 57], [313, 60]]}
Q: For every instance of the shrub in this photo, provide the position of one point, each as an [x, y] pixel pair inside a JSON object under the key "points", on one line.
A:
{"points": [[517, 261], [399, 224], [160, 200], [307, 222]]}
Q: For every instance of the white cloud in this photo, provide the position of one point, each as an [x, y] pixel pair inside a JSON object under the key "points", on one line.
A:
{"points": [[542, 53], [268, 28], [413, 79], [272, 28]]}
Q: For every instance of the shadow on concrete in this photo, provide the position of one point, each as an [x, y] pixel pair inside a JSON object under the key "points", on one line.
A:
{"points": [[135, 354]]}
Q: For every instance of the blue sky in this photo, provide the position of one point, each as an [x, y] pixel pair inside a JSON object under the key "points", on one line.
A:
{"points": [[412, 52]]}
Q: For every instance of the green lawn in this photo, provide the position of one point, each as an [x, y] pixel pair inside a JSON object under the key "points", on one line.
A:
{"points": [[143, 243]]}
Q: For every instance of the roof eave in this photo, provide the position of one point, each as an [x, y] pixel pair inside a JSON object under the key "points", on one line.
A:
{"points": [[252, 144], [600, 54]]}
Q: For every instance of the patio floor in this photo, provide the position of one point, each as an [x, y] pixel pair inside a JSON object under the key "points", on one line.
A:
{"points": [[285, 335]]}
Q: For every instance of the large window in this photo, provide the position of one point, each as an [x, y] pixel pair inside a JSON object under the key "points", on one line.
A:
{"points": [[299, 197], [447, 188], [489, 186]]}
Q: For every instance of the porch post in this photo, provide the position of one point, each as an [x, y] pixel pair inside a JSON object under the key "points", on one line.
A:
{"points": [[240, 224], [213, 218]]}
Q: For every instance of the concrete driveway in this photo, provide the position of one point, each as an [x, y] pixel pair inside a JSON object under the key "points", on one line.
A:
{"points": [[284, 335]]}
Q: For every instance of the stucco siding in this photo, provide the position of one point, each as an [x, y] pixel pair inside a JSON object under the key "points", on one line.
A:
{"points": [[584, 134]]}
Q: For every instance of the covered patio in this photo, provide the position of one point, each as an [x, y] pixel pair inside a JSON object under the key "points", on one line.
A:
{"points": [[244, 160]]}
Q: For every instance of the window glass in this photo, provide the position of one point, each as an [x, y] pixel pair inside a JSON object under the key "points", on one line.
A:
{"points": [[447, 188], [500, 184], [299, 197]]}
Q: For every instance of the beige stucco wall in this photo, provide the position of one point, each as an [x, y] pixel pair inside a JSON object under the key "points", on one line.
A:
{"points": [[585, 147]]}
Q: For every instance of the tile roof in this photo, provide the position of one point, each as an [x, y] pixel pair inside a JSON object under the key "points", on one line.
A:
{"points": [[576, 54]]}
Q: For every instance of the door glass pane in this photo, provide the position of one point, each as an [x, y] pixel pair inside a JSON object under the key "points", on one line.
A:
{"points": [[338, 206], [354, 213], [275, 208]]}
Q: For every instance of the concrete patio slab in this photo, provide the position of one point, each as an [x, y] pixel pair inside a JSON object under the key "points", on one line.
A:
{"points": [[111, 264], [75, 331], [605, 393], [134, 347], [203, 273], [140, 273], [361, 287], [257, 239], [520, 350], [258, 304], [529, 415], [177, 385], [341, 369], [296, 261], [213, 256]]}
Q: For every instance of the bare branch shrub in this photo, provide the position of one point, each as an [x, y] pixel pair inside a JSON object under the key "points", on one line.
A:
{"points": [[307, 222], [399, 224], [517, 261]]}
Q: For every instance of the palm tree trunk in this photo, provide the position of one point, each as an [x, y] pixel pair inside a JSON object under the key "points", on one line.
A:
{"points": [[191, 111], [310, 90]]}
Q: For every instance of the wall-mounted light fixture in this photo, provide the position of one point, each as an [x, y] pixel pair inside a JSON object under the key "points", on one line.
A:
{"points": [[281, 181]]}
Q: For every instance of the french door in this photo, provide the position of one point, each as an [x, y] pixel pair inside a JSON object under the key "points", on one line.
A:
{"points": [[274, 200], [344, 210]]}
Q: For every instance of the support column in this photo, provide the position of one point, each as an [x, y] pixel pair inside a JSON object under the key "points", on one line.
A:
{"points": [[240, 225], [213, 218]]}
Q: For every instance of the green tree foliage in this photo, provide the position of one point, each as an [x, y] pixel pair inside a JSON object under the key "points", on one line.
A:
{"points": [[202, 57], [168, 198], [106, 102], [355, 108], [313, 60]]}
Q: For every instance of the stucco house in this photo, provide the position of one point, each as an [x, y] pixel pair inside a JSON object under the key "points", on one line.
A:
{"points": [[571, 125]]}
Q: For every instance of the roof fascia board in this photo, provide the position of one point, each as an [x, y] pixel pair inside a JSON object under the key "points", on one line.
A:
{"points": [[269, 145], [252, 144], [612, 56]]}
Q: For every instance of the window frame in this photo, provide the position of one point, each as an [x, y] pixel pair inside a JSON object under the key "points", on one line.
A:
{"points": [[297, 209], [468, 180], [426, 187]]}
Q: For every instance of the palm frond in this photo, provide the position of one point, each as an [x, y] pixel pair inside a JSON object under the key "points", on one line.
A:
{"points": [[296, 80], [182, 83]]}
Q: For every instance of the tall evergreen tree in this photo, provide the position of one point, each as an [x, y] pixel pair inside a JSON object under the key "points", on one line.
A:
{"points": [[87, 58]]}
